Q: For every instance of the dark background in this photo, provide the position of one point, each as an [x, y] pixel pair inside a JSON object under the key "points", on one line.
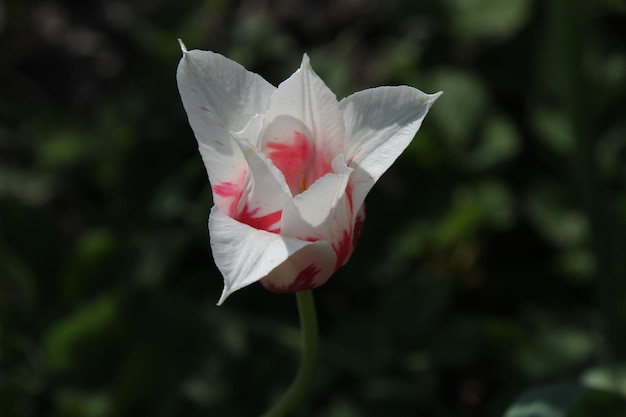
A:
{"points": [[492, 259]]}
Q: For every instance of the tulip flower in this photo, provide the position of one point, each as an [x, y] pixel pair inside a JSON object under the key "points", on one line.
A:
{"points": [[289, 166]]}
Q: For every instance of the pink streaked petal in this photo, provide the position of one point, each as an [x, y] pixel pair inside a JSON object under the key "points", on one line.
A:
{"points": [[343, 248], [305, 280], [359, 222], [264, 195], [304, 96], [308, 268], [290, 146], [323, 212], [252, 218], [228, 194], [380, 123], [219, 96], [245, 255]]}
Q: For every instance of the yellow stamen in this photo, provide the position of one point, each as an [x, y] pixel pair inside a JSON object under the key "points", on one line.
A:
{"points": [[302, 183]]}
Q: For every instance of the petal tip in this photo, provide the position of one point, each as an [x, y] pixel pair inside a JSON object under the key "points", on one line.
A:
{"points": [[182, 46], [431, 98], [224, 296], [305, 61], [435, 96]]}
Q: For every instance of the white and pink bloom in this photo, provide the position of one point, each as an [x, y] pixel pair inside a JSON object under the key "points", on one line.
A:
{"points": [[290, 166]]}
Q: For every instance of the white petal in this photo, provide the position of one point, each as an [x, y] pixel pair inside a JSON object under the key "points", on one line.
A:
{"points": [[323, 212], [308, 268], [245, 255], [251, 132], [212, 84], [293, 150], [304, 96], [380, 123], [220, 96], [265, 193]]}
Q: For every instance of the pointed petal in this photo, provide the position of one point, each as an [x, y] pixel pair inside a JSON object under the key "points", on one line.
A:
{"points": [[380, 123], [323, 212], [220, 96], [245, 255], [264, 195], [211, 84], [304, 96]]}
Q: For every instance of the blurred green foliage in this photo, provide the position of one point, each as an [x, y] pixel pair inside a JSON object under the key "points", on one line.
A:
{"points": [[567, 399], [492, 259]]}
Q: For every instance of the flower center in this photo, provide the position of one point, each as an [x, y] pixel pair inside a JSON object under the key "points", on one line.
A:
{"points": [[302, 183], [294, 151]]}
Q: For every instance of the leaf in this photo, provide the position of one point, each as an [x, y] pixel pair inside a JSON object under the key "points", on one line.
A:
{"points": [[499, 142], [553, 130], [487, 18], [69, 337], [609, 378], [554, 218], [78, 403], [62, 149], [464, 103], [567, 399]]}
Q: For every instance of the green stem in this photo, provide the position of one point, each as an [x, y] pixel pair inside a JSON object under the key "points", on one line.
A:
{"points": [[309, 335]]}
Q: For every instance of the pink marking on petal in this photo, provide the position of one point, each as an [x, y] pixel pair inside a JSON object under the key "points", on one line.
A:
{"points": [[249, 217], [303, 281], [227, 189], [290, 158], [349, 195], [299, 161], [231, 191], [206, 109], [343, 249], [358, 151], [358, 227]]}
